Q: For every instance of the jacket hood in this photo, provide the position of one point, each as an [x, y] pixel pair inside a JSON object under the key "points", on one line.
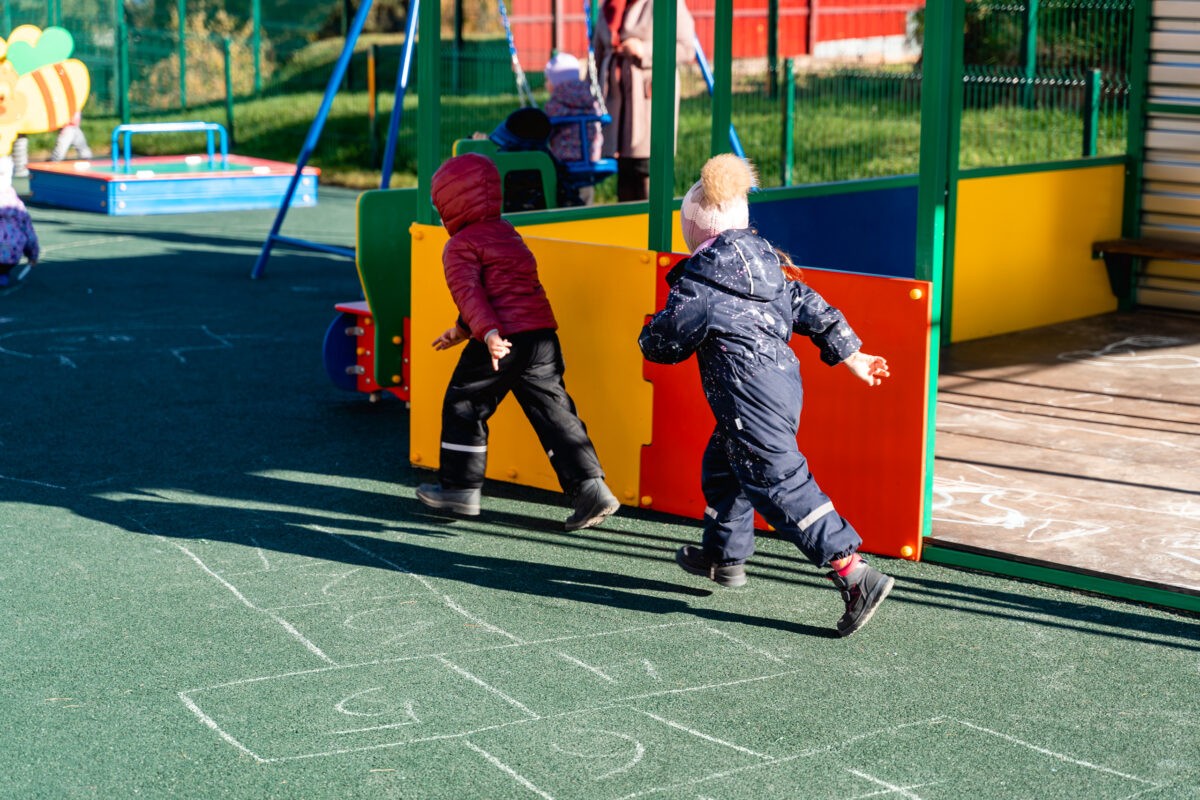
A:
{"points": [[739, 262], [466, 189]]}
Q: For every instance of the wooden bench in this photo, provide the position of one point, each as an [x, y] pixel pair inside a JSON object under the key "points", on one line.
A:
{"points": [[1125, 258]]}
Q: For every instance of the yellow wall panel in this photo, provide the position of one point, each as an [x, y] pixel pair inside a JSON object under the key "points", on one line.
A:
{"points": [[1022, 251], [625, 231], [601, 295]]}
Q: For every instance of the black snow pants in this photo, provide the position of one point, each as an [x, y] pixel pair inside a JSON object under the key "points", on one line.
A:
{"points": [[533, 372]]}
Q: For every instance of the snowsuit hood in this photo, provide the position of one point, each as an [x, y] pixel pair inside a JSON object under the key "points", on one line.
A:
{"points": [[466, 189], [741, 263]]}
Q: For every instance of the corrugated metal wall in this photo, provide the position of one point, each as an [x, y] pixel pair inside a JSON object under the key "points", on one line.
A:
{"points": [[1171, 170]]}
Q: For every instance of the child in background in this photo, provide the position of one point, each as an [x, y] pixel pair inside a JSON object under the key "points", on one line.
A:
{"points": [[17, 236], [512, 346], [732, 304], [571, 95], [71, 136]]}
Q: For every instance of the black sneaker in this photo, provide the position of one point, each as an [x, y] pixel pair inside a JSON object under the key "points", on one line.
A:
{"points": [[593, 503], [693, 560], [862, 590], [460, 501]]}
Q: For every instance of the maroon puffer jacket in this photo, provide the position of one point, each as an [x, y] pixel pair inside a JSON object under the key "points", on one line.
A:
{"points": [[492, 275]]}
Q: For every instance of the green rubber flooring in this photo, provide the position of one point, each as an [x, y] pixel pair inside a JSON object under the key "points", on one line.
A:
{"points": [[216, 583]]}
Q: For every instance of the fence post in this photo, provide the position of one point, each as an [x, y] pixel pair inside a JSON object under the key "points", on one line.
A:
{"points": [[372, 98], [227, 47], [256, 43], [182, 14], [1091, 111], [122, 63], [1029, 37], [772, 48], [788, 148]]}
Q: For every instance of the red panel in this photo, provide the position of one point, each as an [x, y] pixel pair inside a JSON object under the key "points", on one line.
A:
{"points": [[865, 445], [365, 350]]}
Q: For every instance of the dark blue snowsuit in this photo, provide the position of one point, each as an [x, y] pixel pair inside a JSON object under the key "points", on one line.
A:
{"points": [[731, 305]]}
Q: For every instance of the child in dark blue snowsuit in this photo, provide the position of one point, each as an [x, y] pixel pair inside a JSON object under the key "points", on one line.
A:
{"points": [[732, 305]]}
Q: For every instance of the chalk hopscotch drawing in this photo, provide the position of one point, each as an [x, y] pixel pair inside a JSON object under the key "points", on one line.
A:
{"points": [[370, 703], [1130, 352], [604, 747], [607, 749], [67, 345]]}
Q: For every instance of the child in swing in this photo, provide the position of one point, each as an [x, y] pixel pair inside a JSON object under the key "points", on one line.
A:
{"points": [[735, 304], [512, 345]]}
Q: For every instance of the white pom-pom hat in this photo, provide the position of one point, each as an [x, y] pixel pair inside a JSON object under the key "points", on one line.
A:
{"points": [[717, 202], [562, 68]]}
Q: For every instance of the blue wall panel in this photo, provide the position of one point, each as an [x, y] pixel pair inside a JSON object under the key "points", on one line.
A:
{"points": [[872, 232]]}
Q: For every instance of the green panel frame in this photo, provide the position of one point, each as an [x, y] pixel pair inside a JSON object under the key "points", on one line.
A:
{"points": [[1055, 576], [384, 261]]}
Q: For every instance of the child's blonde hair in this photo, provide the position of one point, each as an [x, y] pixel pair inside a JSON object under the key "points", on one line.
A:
{"points": [[790, 271]]}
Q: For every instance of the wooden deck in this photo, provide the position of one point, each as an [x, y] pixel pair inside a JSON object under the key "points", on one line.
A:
{"points": [[1077, 446]]}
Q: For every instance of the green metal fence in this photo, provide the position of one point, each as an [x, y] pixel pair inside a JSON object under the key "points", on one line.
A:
{"points": [[1043, 80]]}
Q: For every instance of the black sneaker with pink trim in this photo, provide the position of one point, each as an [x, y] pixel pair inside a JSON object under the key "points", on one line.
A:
{"points": [[862, 591]]}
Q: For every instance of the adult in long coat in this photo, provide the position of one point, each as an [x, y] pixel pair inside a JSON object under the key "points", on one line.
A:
{"points": [[624, 45]]}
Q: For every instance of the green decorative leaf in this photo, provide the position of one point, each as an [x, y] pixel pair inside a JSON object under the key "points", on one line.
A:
{"points": [[54, 45]]}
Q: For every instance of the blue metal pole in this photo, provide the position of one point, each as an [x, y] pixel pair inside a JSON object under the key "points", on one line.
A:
{"points": [[314, 133], [734, 142], [410, 39]]}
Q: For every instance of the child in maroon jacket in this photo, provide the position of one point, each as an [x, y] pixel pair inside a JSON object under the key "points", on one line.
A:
{"points": [[512, 346]]}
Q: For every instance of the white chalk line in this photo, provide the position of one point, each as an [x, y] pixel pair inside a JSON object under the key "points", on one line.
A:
{"points": [[446, 599], [620, 704], [211, 723], [464, 651], [54, 248], [512, 773], [888, 788], [512, 701], [1122, 353], [1053, 754], [777, 761], [947, 486], [594, 670], [746, 645], [287, 626], [31, 482], [701, 735]]}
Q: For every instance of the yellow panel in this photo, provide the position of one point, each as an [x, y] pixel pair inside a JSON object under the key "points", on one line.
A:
{"points": [[623, 231], [1022, 250], [601, 296]]}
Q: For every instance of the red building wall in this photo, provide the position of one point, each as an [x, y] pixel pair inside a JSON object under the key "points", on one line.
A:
{"points": [[802, 24]]}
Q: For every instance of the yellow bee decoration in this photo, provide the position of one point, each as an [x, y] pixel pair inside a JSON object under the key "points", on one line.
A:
{"points": [[41, 87]]}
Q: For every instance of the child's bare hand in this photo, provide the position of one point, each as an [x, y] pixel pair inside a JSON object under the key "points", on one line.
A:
{"points": [[869, 369], [450, 337], [498, 346]]}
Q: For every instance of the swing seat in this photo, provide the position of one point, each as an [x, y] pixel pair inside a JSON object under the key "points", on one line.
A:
{"points": [[585, 172]]}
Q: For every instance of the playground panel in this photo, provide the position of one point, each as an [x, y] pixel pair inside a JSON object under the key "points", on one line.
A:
{"points": [[871, 231], [1023, 249], [865, 445], [650, 422], [600, 295]]}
